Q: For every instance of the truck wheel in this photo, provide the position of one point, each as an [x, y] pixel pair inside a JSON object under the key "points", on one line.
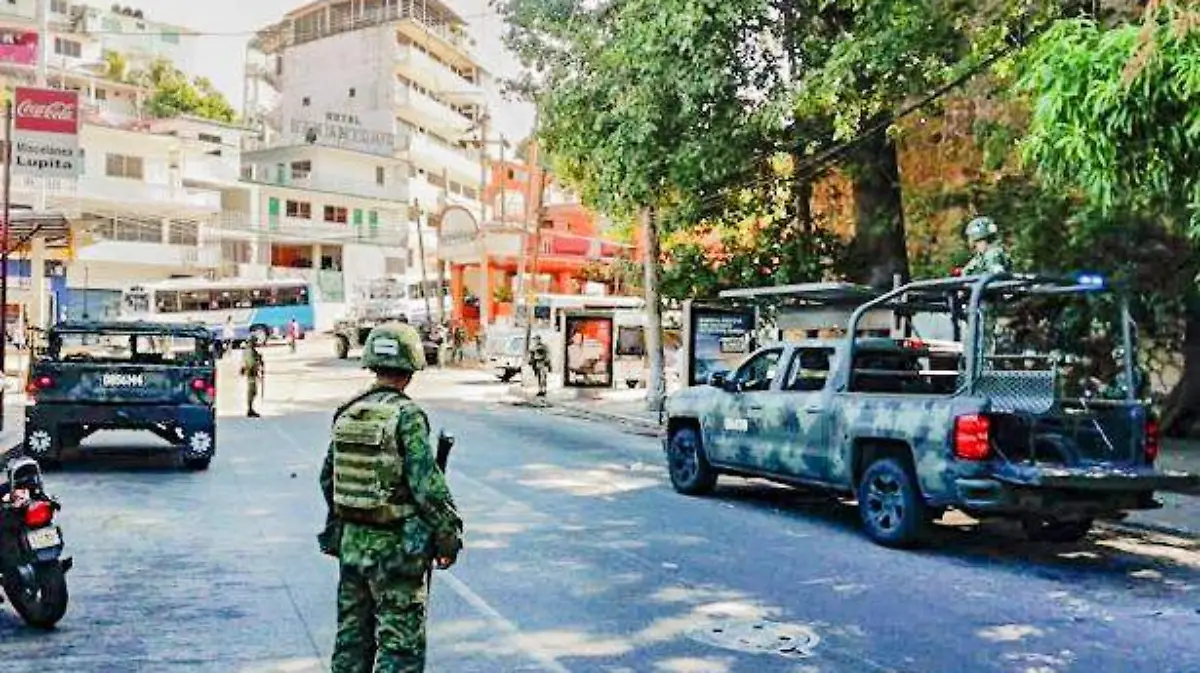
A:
{"points": [[507, 375], [44, 445], [1062, 532], [892, 509], [691, 474], [198, 448], [341, 346]]}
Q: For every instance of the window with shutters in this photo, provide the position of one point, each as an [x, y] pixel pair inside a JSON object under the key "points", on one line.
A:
{"points": [[300, 209], [336, 214], [123, 166], [67, 48]]}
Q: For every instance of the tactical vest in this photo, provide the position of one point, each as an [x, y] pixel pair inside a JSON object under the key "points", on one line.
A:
{"points": [[368, 462]]}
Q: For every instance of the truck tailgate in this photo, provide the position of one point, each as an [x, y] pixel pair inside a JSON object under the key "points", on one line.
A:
{"points": [[1100, 478], [117, 383]]}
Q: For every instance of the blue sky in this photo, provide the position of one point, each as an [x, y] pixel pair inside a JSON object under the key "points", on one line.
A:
{"points": [[221, 57]]}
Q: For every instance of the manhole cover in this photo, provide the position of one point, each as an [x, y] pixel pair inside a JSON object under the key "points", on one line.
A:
{"points": [[760, 636]]}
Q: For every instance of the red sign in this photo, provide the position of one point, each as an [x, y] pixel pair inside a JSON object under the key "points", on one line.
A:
{"points": [[46, 111], [18, 46]]}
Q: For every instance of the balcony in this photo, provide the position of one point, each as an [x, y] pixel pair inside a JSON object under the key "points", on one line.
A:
{"points": [[151, 254], [427, 152], [106, 194], [421, 68], [430, 112], [208, 169], [283, 229], [334, 183]]}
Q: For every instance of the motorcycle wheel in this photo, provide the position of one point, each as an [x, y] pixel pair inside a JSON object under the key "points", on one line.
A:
{"points": [[43, 606]]}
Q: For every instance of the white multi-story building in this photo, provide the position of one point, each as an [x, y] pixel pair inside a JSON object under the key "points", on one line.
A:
{"points": [[372, 99], [149, 187]]}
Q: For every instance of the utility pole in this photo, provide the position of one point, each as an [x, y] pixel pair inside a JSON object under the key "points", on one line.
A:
{"points": [[441, 264], [421, 249], [484, 263], [8, 133], [521, 285], [536, 211]]}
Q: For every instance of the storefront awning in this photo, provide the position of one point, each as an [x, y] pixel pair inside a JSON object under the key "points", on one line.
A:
{"points": [[25, 225]]}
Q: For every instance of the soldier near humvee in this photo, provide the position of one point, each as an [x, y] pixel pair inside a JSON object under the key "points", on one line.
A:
{"points": [[989, 255], [252, 369], [390, 513]]}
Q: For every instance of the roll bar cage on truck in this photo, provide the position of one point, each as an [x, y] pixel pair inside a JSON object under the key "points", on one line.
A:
{"points": [[1001, 423]]}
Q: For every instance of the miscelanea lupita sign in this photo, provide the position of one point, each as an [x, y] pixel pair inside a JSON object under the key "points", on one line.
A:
{"points": [[46, 133]]}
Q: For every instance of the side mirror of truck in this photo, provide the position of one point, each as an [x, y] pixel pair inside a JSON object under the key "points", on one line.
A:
{"points": [[718, 379]]}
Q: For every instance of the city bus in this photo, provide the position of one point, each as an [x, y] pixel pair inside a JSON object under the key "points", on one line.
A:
{"points": [[260, 307]]}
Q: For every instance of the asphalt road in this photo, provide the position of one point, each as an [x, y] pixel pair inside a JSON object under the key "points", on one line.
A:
{"points": [[579, 557]]}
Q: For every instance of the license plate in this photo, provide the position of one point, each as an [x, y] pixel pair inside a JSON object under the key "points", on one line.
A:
{"points": [[123, 380], [44, 538]]}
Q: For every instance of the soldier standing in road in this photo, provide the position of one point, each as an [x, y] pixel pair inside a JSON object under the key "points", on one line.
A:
{"points": [[252, 369], [390, 513], [539, 360], [989, 257]]}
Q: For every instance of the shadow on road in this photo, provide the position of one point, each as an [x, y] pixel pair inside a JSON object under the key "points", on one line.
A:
{"points": [[1115, 558]]}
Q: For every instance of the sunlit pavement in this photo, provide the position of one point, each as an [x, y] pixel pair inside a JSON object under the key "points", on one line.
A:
{"points": [[579, 557]]}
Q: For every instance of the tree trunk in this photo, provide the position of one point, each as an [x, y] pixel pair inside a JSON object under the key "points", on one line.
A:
{"points": [[1181, 409], [656, 389], [879, 242]]}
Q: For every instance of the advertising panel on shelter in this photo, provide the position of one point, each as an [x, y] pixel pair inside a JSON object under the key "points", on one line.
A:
{"points": [[589, 350], [719, 339]]}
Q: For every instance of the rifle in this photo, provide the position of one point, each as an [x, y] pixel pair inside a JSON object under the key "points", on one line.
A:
{"points": [[444, 444]]}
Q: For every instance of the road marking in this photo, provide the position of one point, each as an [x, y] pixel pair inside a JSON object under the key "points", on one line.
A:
{"points": [[476, 601]]}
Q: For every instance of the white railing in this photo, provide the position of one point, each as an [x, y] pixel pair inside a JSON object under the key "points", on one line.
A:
{"points": [[459, 165], [435, 112], [298, 230], [118, 192], [209, 168], [341, 185], [434, 75]]}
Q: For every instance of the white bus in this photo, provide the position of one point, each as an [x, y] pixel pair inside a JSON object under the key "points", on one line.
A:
{"points": [[260, 307]]}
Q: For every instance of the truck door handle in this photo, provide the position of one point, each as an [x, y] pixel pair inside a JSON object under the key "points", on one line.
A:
{"points": [[812, 410], [755, 407]]}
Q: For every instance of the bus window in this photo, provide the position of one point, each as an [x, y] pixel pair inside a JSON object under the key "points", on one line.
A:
{"points": [[137, 302], [293, 296], [258, 299], [199, 300], [166, 301]]}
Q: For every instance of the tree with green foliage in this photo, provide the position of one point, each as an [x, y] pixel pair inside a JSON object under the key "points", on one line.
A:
{"points": [[645, 108], [173, 94], [1117, 122]]}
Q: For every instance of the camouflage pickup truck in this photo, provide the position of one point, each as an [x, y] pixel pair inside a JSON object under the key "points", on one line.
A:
{"points": [[1020, 419], [96, 376]]}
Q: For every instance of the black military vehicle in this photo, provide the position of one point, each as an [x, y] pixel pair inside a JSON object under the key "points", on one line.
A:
{"points": [[94, 376]]}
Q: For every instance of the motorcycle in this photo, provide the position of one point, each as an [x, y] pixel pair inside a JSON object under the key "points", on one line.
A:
{"points": [[32, 567]]}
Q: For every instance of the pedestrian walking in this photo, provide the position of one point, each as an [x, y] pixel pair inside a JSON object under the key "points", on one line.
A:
{"points": [[254, 371], [293, 333], [539, 360], [227, 335], [390, 513]]}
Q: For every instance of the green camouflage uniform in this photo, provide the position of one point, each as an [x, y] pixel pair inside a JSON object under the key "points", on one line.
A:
{"points": [[539, 360], [993, 259], [381, 591], [252, 365]]}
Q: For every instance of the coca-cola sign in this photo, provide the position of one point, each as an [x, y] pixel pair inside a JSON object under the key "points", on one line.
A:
{"points": [[46, 111]]}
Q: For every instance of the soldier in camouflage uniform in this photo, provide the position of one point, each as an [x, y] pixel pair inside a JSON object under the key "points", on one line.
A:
{"points": [[539, 361], [252, 369], [990, 257], [390, 513]]}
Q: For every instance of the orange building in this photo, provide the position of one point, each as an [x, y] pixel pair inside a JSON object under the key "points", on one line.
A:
{"points": [[485, 261]]}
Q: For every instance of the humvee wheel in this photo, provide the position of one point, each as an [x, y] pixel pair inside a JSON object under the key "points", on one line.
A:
{"points": [[196, 464], [44, 445], [890, 505], [341, 346], [690, 471]]}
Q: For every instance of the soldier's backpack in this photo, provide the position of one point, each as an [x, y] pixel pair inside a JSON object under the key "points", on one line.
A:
{"points": [[368, 462]]}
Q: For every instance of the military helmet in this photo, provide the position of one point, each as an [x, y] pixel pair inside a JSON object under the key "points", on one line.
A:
{"points": [[394, 345], [981, 229]]}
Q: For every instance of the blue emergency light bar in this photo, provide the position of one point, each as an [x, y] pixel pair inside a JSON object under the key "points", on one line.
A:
{"points": [[1094, 280]]}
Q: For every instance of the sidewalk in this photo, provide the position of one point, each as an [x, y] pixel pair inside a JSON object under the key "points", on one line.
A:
{"points": [[1180, 514]]}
